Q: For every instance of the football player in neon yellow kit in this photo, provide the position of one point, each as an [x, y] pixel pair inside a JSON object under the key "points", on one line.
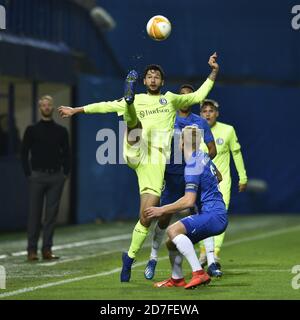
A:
{"points": [[154, 114], [226, 143]]}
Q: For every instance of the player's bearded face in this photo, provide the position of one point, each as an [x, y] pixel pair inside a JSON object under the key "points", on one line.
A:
{"points": [[153, 81], [210, 114]]}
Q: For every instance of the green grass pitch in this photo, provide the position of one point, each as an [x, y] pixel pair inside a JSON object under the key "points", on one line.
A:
{"points": [[257, 258]]}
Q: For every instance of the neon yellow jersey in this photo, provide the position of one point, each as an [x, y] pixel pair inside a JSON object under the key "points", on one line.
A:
{"points": [[226, 142], [156, 112]]}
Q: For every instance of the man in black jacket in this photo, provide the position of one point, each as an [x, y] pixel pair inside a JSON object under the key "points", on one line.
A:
{"points": [[49, 165]]}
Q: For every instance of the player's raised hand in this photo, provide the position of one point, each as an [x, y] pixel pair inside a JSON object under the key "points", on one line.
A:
{"points": [[213, 61], [65, 112], [153, 212]]}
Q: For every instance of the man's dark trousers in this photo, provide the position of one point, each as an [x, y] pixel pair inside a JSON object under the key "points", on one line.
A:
{"points": [[43, 186]]}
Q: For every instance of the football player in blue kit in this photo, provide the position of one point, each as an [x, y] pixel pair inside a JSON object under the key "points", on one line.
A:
{"points": [[201, 191], [174, 187]]}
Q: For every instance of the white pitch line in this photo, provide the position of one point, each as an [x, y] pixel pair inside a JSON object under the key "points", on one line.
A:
{"points": [[262, 236], [228, 243], [78, 258], [78, 244], [57, 283], [116, 238], [228, 271]]}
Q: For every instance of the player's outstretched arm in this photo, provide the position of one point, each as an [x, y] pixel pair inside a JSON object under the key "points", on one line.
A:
{"points": [[101, 107], [187, 201], [184, 101]]}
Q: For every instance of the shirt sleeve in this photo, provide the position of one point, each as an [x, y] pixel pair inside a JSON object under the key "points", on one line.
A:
{"points": [[106, 107], [192, 178], [235, 148], [234, 144], [181, 101], [25, 147], [240, 167]]}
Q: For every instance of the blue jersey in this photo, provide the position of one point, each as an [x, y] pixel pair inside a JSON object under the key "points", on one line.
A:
{"points": [[177, 163], [200, 177]]}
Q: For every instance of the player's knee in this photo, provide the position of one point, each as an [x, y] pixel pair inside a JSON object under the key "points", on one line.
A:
{"points": [[176, 229], [172, 232], [146, 222]]}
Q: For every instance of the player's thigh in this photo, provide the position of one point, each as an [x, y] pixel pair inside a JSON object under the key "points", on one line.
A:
{"points": [[132, 154], [204, 225], [150, 177], [148, 200]]}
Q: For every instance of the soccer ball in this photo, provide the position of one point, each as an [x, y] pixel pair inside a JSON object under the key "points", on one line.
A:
{"points": [[159, 28]]}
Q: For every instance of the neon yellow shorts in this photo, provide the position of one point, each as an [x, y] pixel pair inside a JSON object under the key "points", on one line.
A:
{"points": [[149, 165]]}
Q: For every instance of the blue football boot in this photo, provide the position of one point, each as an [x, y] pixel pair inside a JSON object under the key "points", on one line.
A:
{"points": [[214, 271], [130, 83], [126, 268], [150, 269]]}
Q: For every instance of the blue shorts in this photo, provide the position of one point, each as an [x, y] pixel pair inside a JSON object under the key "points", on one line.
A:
{"points": [[205, 224], [174, 188]]}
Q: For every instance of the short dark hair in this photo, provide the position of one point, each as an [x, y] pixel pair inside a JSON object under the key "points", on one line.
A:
{"points": [[210, 102], [155, 67], [186, 85]]}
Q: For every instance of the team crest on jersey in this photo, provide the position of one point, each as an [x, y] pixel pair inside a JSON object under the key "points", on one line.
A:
{"points": [[163, 101], [219, 141]]}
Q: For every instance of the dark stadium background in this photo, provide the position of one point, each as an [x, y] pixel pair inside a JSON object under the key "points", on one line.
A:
{"points": [[54, 47]]}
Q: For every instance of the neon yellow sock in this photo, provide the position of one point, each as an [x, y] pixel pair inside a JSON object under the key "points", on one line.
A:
{"points": [[138, 237], [218, 242], [130, 116]]}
